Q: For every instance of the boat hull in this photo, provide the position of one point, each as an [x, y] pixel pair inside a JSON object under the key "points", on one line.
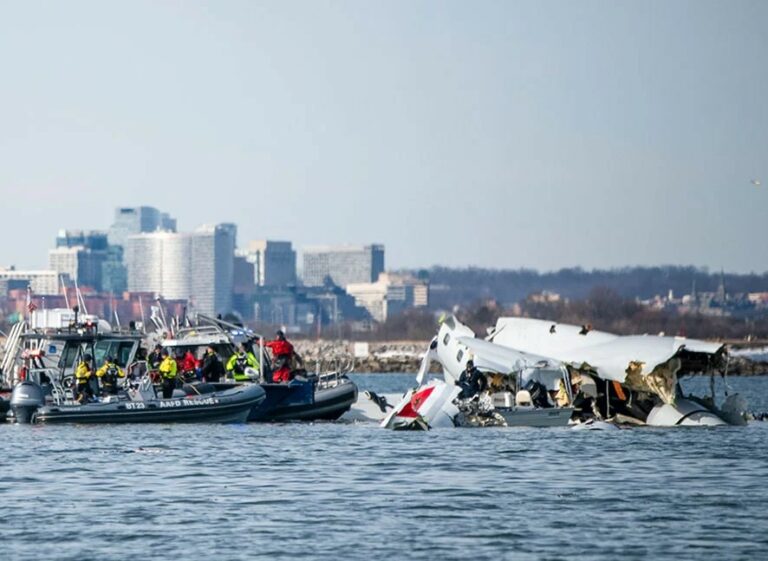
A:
{"points": [[299, 400], [531, 417], [229, 406], [327, 404]]}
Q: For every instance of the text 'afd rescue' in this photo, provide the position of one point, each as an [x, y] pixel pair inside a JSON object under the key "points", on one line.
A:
{"points": [[189, 402]]}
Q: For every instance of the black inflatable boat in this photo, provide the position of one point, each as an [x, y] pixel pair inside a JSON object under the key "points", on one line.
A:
{"points": [[326, 397], [232, 405]]}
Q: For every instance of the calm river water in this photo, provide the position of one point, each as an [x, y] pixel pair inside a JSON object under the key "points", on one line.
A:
{"points": [[354, 491]]}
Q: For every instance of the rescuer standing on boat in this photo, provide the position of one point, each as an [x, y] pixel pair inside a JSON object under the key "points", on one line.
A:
{"points": [[283, 353], [167, 370], [108, 374], [212, 369], [83, 375], [155, 358], [241, 360]]}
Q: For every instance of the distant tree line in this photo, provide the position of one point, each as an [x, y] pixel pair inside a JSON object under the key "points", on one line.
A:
{"points": [[605, 309], [451, 287]]}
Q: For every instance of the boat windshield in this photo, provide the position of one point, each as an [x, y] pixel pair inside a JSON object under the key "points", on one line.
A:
{"points": [[68, 356], [121, 351]]}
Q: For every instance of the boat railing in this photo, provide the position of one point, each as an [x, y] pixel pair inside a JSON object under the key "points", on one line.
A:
{"points": [[62, 390], [199, 331], [39, 374], [329, 380], [135, 371], [10, 351], [61, 394], [339, 363]]}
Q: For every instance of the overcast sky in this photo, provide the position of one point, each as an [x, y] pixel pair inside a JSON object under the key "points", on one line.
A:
{"points": [[505, 134]]}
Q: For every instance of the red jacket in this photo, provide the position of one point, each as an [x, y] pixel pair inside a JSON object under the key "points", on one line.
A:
{"points": [[188, 363], [280, 348]]}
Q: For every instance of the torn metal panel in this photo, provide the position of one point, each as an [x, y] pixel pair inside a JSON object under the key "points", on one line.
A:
{"points": [[662, 381], [611, 356]]}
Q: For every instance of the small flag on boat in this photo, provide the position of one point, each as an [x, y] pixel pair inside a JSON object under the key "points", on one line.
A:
{"points": [[30, 304]]}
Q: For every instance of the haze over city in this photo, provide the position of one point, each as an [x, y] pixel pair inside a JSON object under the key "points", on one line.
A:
{"points": [[499, 134]]}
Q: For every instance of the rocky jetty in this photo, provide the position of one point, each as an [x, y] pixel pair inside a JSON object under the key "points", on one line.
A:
{"points": [[390, 356], [742, 366], [406, 356]]}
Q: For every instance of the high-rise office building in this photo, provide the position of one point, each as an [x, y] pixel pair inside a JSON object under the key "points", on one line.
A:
{"points": [[195, 266], [143, 258], [114, 276], [390, 295], [243, 286], [274, 262], [130, 221], [95, 240], [212, 267], [81, 255], [342, 265], [40, 282]]}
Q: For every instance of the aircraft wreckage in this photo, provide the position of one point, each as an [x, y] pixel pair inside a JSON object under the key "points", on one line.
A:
{"points": [[537, 373]]}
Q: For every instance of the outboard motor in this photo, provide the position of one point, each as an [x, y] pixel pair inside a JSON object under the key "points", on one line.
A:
{"points": [[538, 393], [26, 398]]}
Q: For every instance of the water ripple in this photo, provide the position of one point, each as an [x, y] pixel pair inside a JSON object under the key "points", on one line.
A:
{"points": [[353, 491]]}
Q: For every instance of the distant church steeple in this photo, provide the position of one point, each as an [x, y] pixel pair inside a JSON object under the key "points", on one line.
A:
{"points": [[694, 296], [722, 295]]}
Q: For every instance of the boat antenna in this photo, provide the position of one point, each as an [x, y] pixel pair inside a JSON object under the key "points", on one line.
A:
{"points": [[111, 306], [162, 317], [64, 288], [143, 321], [80, 298]]}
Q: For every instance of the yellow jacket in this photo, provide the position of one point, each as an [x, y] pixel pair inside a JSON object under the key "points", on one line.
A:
{"points": [[83, 371], [168, 367], [103, 370], [562, 395]]}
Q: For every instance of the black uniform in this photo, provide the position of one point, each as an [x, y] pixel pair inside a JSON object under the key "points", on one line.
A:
{"points": [[471, 382], [212, 368], [154, 359]]}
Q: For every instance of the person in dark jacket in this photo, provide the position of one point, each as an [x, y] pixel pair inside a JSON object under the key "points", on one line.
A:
{"points": [[155, 358], [212, 368], [471, 381]]}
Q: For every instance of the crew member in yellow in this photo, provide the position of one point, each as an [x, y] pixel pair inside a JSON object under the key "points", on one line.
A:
{"points": [[561, 397], [108, 375], [241, 360], [168, 372], [83, 375]]}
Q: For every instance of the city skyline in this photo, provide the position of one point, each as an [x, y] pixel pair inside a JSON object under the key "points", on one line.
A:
{"points": [[497, 134], [39, 263]]}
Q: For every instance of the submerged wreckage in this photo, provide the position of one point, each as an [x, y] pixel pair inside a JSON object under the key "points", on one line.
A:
{"points": [[538, 373]]}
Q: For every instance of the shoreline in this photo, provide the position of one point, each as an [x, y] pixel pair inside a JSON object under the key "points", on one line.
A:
{"points": [[389, 357]]}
